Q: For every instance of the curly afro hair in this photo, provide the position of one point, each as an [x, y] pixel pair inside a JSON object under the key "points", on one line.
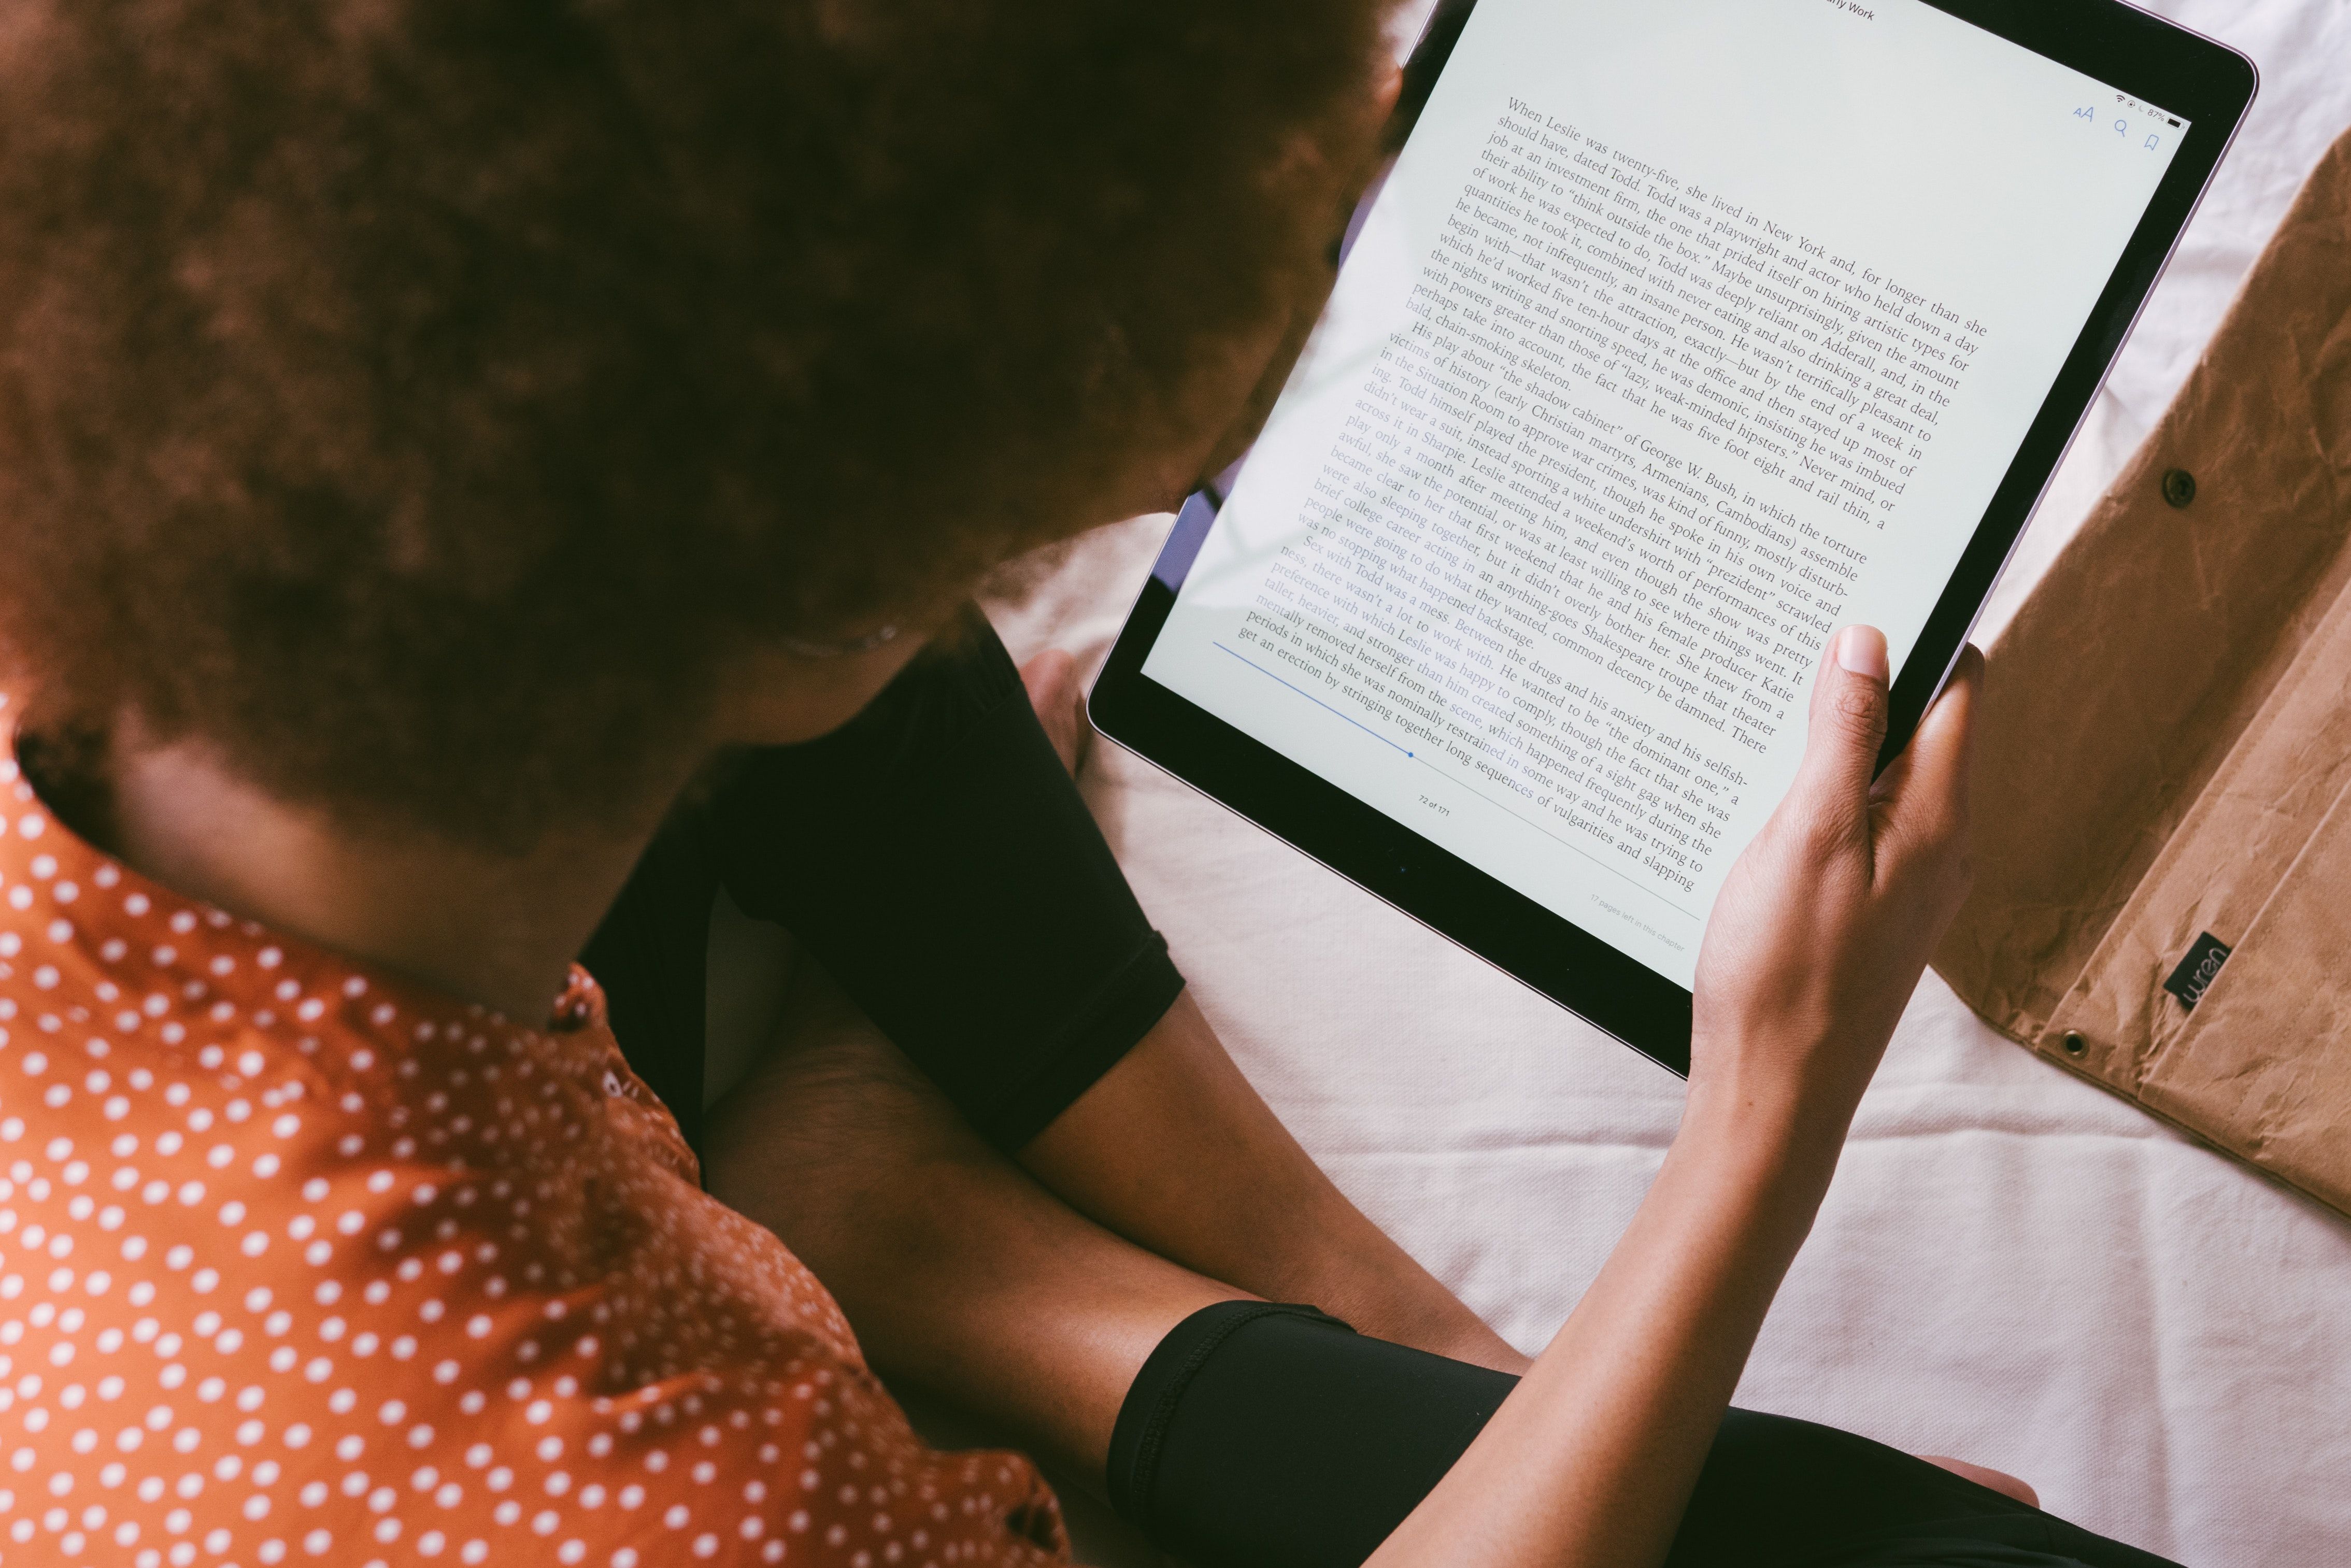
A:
{"points": [[419, 399]]}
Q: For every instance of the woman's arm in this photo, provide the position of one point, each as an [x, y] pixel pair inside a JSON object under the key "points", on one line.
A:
{"points": [[1811, 953]]}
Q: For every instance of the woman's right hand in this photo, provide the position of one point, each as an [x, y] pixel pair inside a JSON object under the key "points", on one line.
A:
{"points": [[1812, 952], [1826, 921]]}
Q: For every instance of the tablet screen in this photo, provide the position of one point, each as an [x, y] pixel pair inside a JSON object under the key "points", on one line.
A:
{"points": [[1677, 336]]}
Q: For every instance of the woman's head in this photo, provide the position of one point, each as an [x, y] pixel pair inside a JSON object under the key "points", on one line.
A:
{"points": [[426, 401]]}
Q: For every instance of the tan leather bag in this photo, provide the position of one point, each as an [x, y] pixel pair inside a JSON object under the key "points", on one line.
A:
{"points": [[2165, 765]]}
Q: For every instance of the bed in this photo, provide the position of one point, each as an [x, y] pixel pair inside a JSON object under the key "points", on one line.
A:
{"points": [[2013, 1267]]}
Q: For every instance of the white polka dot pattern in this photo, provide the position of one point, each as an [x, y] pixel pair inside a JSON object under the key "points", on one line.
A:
{"points": [[300, 1264]]}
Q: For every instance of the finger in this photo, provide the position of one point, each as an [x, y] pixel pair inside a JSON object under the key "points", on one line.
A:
{"points": [[1848, 724], [1929, 801]]}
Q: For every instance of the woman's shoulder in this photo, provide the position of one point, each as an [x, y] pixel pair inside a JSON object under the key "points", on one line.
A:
{"points": [[295, 1258]]}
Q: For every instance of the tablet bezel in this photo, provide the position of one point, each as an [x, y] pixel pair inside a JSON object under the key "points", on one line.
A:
{"points": [[2206, 83]]}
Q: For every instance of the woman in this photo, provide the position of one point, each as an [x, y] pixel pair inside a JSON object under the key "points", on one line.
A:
{"points": [[435, 432]]}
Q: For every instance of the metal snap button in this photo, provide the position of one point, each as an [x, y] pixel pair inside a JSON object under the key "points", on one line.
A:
{"points": [[2074, 1044], [2178, 487]]}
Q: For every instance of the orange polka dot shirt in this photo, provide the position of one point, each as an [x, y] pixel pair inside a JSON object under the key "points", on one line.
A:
{"points": [[300, 1263]]}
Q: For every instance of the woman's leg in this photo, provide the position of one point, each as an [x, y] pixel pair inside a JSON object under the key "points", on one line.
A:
{"points": [[934, 857], [1261, 1436], [1231, 1431], [1237, 1472], [1837, 1496], [957, 1271]]}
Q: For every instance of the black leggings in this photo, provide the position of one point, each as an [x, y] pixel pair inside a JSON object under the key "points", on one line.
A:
{"points": [[1273, 1437], [935, 859]]}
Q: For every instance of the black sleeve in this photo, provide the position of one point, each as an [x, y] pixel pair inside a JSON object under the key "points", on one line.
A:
{"points": [[936, 858], [651, 956], [1258, 1436]]}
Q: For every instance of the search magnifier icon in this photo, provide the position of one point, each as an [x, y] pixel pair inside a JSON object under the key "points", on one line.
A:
{"points": [[2122, 128]]}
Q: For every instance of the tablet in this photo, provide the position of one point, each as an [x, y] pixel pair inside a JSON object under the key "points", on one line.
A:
{"points": [[1676, 336]]}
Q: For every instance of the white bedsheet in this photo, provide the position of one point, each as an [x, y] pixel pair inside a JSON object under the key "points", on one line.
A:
{"points": [[2013, 1267]]}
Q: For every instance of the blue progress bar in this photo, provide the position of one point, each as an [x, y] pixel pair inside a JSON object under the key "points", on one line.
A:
{"points": [[1317, 702]]}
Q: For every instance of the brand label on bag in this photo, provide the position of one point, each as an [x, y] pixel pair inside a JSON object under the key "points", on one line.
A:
{"points": [[2205, 957]]}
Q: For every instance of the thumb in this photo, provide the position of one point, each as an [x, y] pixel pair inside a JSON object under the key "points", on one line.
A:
{"points": [[1848, 727]]}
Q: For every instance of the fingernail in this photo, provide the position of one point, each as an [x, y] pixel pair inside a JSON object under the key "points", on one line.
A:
{"points": [[1862, 649]]}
